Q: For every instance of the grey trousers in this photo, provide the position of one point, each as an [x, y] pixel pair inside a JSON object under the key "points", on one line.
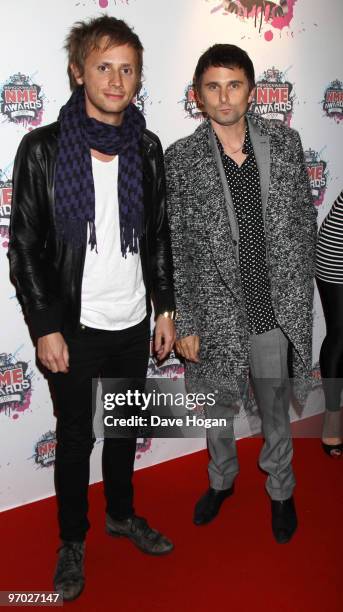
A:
{"points": [[269, 373]]}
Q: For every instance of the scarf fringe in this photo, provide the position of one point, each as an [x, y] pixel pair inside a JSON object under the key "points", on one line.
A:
{"points": [[74, 231]]}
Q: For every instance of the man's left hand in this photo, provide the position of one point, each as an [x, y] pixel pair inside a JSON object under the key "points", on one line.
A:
{"points": [[164, 336]]}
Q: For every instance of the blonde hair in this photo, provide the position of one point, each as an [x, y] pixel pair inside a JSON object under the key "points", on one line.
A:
{"points": [[85, 36]]}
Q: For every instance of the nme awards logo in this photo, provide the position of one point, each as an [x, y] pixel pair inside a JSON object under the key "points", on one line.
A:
{"points": [[5, 206], [275, 13], [317, 172], [15, 386], [140, 99], [333, 100], [45, 450], [190, 103], [274, 97], [21, 101], [170, 368]]}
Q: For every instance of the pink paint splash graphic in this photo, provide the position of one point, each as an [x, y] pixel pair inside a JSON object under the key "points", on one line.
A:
{"points": [[282, 22], [18, 407], [143, 446], [276, 13], [104, 3], [38, 120], [319, 201], [4, 237]]}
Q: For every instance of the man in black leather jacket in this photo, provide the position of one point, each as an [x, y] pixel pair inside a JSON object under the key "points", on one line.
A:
{"points": [[89, 248]]}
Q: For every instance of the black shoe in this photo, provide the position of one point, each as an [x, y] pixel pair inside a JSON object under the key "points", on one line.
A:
{"points": [[284, 519], [335, 451], [209, 504], [69, 578], [137, 529]]}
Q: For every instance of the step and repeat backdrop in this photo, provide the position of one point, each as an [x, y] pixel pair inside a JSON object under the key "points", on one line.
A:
{"points": [[296, 49]]}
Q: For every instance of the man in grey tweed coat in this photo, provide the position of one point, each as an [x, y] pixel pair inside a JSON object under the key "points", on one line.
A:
{"points": [[243, 230]]}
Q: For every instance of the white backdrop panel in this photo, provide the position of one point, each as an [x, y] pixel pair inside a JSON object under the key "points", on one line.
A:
{"points": [[303, 48]]}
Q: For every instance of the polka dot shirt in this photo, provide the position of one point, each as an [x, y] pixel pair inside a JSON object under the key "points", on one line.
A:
{"points": [[244, 185]]}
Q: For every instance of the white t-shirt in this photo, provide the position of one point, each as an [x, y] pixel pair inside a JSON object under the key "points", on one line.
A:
{"points": [[113, 295]]}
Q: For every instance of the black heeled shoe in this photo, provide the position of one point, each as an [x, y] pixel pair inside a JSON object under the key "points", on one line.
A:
{"points": [[335, 451]]}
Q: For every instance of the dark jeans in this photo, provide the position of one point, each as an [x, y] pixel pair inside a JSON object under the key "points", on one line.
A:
{"points": [[94, 353]]}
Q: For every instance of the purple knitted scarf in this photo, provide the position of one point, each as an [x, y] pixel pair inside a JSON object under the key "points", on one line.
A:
{"points": [[74, 185]]}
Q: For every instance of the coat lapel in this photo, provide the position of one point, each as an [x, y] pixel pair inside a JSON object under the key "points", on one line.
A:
{"points": [[227, 193], [261, 146], [215, 209]]}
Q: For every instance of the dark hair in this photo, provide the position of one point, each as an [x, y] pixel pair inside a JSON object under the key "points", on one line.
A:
{"points": [[228, 56], [85, 36]]}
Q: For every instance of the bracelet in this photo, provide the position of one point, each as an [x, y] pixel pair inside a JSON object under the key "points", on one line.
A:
{"points": [[168, 314]]}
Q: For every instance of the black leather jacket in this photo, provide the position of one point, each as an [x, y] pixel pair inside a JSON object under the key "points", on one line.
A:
{"points": [[47, 272]]}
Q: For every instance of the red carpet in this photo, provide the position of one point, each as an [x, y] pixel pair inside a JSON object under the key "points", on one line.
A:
{"points": [[232, 564]]}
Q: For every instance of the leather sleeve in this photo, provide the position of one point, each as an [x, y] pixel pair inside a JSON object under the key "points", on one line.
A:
{"points": [[28, 235], [160, 248]]}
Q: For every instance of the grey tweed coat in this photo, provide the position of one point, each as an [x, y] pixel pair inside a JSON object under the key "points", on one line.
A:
{"points": [[205, 240]]}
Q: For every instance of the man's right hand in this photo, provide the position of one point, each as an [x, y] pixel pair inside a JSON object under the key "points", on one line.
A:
{"points": [[188, 347], [52, 352]]}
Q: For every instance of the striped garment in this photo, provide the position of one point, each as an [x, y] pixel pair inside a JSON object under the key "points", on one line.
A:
{"points": [[329, 260]]}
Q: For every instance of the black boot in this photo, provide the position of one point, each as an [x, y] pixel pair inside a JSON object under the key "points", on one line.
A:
{"points": [[209, 504], [69, 578], [284, 519]]}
